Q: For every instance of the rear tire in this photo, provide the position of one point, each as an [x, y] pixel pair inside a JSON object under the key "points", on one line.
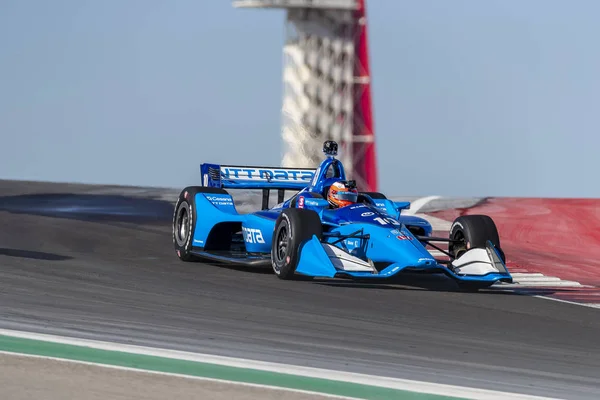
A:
{"points": [[184, 220], [293, 227]]}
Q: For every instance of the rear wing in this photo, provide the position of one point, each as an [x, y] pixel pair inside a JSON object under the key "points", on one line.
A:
{"points": [[265, 178], [243, 177]]}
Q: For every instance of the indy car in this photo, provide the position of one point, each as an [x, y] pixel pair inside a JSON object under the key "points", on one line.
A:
{"points": [[370, 239]]}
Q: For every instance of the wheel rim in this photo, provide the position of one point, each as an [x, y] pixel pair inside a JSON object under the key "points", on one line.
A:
{"points": [[181, 225], [281, 250], [459, 248]]}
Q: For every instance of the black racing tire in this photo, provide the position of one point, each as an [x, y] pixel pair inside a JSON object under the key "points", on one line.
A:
{"points": [[292, 229], [184, 220], [473, 231]]}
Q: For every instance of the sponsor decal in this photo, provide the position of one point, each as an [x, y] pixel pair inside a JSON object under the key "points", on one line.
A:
{"points": [[367, 214], [252, 235], [402, 236], [301, 202], [267, 174], [353, 242], [456, 224], [312, 203], [287, 220], [386, 221], [220, 200], [358, 206]]}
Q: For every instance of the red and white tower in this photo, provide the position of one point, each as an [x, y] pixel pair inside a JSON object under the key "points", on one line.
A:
{"points": [[327, 84]]}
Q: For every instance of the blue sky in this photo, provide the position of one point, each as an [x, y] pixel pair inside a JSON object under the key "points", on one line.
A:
{"points": [[472, 98]]}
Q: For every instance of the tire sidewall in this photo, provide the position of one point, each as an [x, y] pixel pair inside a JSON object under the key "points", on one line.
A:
{"points": [[186, 243], [457, 227], [282, 267], [301, 225], [186, 200], [476, 230]]}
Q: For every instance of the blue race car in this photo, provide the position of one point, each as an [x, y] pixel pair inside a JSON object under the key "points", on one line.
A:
{"points": [[303, 235]]}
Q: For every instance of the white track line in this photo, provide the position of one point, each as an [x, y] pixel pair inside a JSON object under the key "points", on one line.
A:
{"points": [[525, 285], [590, 305], [349, 377], [537, 279]]}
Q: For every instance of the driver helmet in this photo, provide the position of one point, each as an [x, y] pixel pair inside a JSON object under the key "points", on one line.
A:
{"points": [[342, 194]]}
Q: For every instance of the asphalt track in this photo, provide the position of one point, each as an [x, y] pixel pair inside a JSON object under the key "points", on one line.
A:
{"points": [[87, 262]]}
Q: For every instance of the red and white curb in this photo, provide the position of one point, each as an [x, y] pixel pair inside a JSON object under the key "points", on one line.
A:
{"points": [[537, 279]]}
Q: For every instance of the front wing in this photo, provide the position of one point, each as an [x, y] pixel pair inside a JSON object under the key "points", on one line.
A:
{"points": [[319, 259]]}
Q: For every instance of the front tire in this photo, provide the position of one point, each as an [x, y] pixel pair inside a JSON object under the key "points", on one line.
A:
{"points": [[471, 232], [293, 227]]}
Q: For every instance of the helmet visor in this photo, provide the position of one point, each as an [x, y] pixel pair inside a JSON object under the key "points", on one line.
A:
{"points": [[347, 196]]}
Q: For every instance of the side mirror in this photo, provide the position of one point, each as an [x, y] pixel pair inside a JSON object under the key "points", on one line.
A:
{"points": [[401, 205]]}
